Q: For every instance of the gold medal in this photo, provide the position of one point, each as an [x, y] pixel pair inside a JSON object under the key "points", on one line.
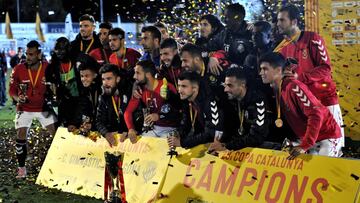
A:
{"points": [[279, 123], [241, 131]]}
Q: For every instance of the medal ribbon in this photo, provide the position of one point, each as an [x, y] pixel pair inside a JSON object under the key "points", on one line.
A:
{"points": [[33, 83], [192, 117], [278, 97], [286, 42], [202, 71], [93, 102], [116, 108], [106, 59], [241, 115], [88, 48], [175, 79]]}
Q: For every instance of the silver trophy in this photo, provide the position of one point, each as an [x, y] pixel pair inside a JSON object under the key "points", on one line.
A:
{"points": [[23, 91], [172, 151], [84, 128], [146, 126]]}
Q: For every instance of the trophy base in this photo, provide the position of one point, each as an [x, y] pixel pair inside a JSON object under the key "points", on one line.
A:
{"points": [[115, 200]]}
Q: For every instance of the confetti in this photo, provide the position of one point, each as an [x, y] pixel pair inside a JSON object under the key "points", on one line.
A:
{"points": [[334, 187], [355, 176]]}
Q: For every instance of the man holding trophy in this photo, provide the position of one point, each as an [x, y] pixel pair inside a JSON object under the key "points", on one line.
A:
{"points": [[27, 88], [160, 101]]}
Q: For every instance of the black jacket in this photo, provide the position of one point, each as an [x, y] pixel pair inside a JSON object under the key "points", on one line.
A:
{"points": [[255, 122], [88, 102], [236, 44], [106, 118], [16, 60], [76, 43], [204, 43], [67, 93], [209, 119]]}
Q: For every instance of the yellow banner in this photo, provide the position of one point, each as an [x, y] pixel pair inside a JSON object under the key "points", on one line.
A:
{"points": [[76, 164], [338, 22], [258, 175]]}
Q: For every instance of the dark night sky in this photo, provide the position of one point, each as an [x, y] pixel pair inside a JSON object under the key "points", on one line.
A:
{"points": [[130, 10]]}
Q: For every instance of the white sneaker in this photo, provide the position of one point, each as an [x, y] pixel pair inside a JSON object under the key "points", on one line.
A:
{"points": [[21, 172]]}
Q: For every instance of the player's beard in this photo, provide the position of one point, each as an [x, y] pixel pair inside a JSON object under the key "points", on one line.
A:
{"points": [[113, 49], [142, 82], [186, 97], [109, 90], [31, 63]]}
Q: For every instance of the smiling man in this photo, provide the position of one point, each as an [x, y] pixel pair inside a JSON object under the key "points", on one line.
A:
{"points": [[86, 40], [90, 91], [158, 97], [170, 60]]}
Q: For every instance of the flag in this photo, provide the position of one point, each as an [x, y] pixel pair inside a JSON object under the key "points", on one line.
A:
{"points": [[68, 27], [8, 31], [118, 20], [38, 28]]}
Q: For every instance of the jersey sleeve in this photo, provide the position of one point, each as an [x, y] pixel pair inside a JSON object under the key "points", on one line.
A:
{"points": [[312, 109], [320, 58], [128, 115]]}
